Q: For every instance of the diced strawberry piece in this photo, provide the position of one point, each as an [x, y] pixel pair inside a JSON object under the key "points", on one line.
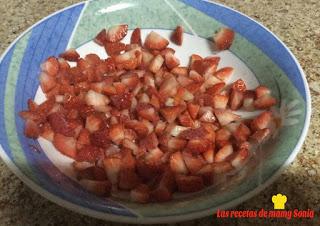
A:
{"points": [[70, 55], [208, 155], [112, 166], [189, 183], [207, 175], [47, 82], [140, 194], [167, 50], [239, 85], [96, 99], [101, 37], [63, 65], [221, 167], [147, 112], [223, 134], [176, 143], [169, 87], [216, 88], [160, 127], [148, 171], [242, 133], [193, 162], [59, 124], [32, 106], [31, 129], [170, 113], [177, 35], [155, 41], [265, 102], [128, 179], [93, 123], [153, 156], [210, 129], [139, 127], [223, 153], [207, 115], [262, 121], [100, 188], [226, 116], [121, 101], [262, 91], [46, 132], [193, 59], [111, 66], [116, 133], [248, 100], [236, 99], [114, 48], [156, 63], [50, 66], [179, 71], [220, 101], [116, 33], [240, 158], [177, 163], [130, 80], [207, 66], [198, 145], [193, 110], [150, 142], [146, 58], [100, 138], [83, 138], [66, 145], [193, 133], [161, 194], [155, 102], [166, 185], [88, 153], [136, 37], [223, 38], [224, 73], [195, 76], [261, 135], [186, 120], [171, 61]]}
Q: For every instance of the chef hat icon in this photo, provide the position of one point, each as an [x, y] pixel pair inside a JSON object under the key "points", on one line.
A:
{"points": [[279, 201]]}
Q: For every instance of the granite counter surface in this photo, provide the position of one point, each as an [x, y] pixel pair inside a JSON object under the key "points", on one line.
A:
{"points": [[296, 22]]}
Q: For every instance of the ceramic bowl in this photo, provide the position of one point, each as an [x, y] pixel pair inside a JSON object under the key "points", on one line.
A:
{"points": [[257, 55]]}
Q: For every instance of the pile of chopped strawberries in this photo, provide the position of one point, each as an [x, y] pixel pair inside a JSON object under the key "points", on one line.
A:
{"points": [[138, 121]]}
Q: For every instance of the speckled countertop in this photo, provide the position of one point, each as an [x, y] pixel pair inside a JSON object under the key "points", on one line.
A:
{"points": [[296, 22]]}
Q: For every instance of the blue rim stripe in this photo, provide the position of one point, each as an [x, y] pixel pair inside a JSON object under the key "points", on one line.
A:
{"points": [[4, 68], [51, 38], [257, 35]]}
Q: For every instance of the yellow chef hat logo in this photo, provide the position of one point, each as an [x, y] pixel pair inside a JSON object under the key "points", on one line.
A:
{"points": [[278, 201]]}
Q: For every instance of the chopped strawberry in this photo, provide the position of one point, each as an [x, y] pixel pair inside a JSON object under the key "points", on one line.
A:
{"points": [[136, 37], [155, 102], [153, 156], [262, 121], [140, 194], [31, 129], [59, 124], [265, 102], [186, 120], [88, 153], [224, 73], [154, 41], [130, 80], [148, 171], [216, 88], [207, 115], [99, 138], [101, 37], [223, 153], [240, 158], [66, 145], [93, 123], [194, 87], [193, 110], [206, 67], [193, 162], [167, 50], [70, 55], [226, 116], [207, 175], [170, 113], [169, 87], [47, 132], [50, 66], [262, 91], [150, 141], [160, 127], [140, 128], [116, 33], [248, 100], [47, 82], [239, 85], [96, 99], [242, 133], [165, 187], [171, 61], [121, 101], [221, 167], [114, 48], [177, 35], [223, 38], [208, 155], [156, 63], [97, 187], [190, 134], [189, 183], [147, 112], [176, 143], [179, 71], [177, 163], [193, 59], [128, 179], [220, 101], [261, 135], [223, 135], [195, 76], [112, 166], [198, 145], [116, 133], [236, 99], [146, 58]]}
